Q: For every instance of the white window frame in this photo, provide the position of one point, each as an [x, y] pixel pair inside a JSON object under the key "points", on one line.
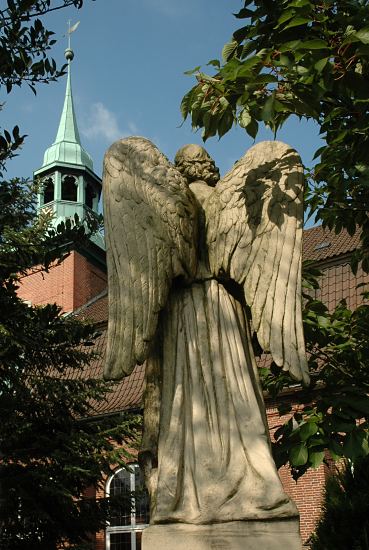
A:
{"points": [[134, 527]]}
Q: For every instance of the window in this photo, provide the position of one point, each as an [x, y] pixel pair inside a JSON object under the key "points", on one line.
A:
{"points": [[48, 190], [90, 195], [125, 529], [69, 189]]}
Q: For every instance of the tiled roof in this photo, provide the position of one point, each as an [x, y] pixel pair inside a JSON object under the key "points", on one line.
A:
{"points": [[95, 310], [337, 283], [125, 394], [320, 244]]}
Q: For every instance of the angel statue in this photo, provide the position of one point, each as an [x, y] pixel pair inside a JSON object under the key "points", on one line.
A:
{"points": [[196, 265]]}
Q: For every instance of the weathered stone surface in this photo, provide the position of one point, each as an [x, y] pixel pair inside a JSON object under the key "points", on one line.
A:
{"points": [[242, 535], [183, 259]]}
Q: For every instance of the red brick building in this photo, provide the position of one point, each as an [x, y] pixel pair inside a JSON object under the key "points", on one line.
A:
{"points": [[79, 285]]}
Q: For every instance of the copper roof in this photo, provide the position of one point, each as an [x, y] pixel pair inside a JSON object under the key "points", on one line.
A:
{"points": [[338, 282]]}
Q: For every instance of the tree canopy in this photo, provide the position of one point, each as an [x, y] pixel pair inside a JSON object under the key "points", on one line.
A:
{"points": [[309, 59], [304, 58]]}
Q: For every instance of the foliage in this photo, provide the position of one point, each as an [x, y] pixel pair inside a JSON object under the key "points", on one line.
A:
{"points": [[50, 448], [345, 518], [308, 58], [50, 453], [333, 413]]}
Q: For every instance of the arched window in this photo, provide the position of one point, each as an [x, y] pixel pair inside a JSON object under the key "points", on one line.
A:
{"points": [[90, 195], [69, 189], [125, 529], [48, 190]]}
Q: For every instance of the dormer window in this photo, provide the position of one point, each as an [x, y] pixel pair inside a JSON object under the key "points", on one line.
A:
{"points": [[69, 189], [48, 190]]}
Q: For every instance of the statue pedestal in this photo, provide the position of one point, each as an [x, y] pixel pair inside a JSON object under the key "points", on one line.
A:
{"points": [[235, 535]]}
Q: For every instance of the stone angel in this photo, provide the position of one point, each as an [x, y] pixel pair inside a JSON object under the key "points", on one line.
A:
{"points": [[195, 266]]}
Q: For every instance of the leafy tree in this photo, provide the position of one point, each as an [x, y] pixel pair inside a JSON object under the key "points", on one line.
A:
{"points": [[310, 59], [52, 447], [333, 413], [304, 58], [345, 518]]}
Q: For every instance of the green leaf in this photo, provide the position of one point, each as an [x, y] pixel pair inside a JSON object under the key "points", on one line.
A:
{"points": [[363, 35], [229, 50], [265, 79], [292, 45], [246, 65], [307, 430], [316, 458], [299, 3], [240, 34], [286, 16], [225, 122], [186, 104], [322, 321], [267, 112], [297, 21], [244, 13], [284, 61], [356, 444], [244, 118], [298, 455], [335, 449], [316, 44], [214, 63], [319, 65], [193, 71], [253, 128]]}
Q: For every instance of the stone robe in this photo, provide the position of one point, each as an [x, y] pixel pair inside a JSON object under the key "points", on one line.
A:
{"points": [[208, 439]]}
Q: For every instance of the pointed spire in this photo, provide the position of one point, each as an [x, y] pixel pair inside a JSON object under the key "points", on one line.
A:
{"points": [[67, 146], [68, 129]]}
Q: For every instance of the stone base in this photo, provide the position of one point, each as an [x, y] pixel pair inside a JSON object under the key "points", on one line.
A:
{"points": [[235, 535]]}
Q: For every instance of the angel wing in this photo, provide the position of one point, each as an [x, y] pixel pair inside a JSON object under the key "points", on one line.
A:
{"points": [[254, 234], [151, 237]]}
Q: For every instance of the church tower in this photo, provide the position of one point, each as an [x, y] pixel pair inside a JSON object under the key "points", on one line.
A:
{"points": [[69, 186]]}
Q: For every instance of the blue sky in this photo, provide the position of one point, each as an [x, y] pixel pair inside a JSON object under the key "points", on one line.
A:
{"points": [[127, 79]]}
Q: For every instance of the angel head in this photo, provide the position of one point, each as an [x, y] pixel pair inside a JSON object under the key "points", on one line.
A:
{"points": [[194, 162]]}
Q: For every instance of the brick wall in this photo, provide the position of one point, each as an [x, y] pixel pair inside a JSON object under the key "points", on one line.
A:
{"points": [[70, 284], [100, 537], [89, 280]]}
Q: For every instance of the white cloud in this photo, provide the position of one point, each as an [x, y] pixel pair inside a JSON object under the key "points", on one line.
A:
{"points": [[101, 123], [132, 128]]}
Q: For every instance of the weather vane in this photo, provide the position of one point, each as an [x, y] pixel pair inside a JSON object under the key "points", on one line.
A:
{"points": [[69, 54]]}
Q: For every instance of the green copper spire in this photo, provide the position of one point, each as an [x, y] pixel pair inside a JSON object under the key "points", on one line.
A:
{"points": [[68, 184], [67, 146]]}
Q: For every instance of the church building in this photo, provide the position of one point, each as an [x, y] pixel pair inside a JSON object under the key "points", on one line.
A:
{"points": [[69, 187]]}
